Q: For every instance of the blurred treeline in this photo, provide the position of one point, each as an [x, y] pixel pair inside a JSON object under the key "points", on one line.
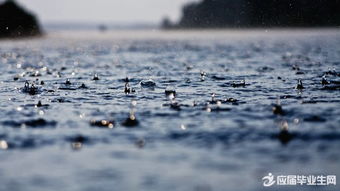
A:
{"points": [[258, 13]]}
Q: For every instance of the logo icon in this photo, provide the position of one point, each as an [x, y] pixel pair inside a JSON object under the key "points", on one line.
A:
{"points": [[268, 180]]}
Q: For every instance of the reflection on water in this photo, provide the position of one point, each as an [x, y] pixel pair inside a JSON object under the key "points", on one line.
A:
{"points": [[216, 109]]}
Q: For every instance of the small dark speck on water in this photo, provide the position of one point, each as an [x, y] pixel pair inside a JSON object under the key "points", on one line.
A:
{"points": [[299, 85], [83, 86], [131, 121], [103, 123], [95, 77], [68, 82]]}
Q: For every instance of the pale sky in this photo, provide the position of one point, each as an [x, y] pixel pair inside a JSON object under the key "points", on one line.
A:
{"points": [[106, 11]]}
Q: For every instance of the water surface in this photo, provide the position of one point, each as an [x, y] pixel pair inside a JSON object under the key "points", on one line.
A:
{"points": [[198, 139]]}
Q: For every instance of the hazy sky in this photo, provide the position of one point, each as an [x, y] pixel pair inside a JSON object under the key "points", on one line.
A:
{"points": [[111, 11]]}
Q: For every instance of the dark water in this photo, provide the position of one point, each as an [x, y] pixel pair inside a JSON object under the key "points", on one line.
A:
{"points": [[79, 137]]}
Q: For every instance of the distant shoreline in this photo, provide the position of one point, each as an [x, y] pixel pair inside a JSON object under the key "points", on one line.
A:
{"points": [[178, 34], [253, 28], [158, 34], [150, 26], [257, 13]]}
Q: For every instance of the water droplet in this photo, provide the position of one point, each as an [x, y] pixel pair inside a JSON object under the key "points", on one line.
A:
{"points": [[68, 82], [299, 85], [133, 102], [171, 97], [76, 145], [219, 103], [148, 83], [95, 77], [3, 145], [284, 126], [183, 127], [203, 74], [170, 90]]}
